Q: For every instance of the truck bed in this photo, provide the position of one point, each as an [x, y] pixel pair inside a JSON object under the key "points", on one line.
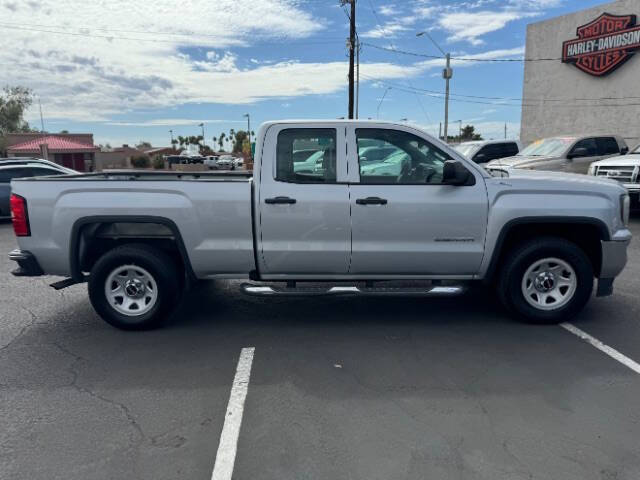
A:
{"points": [[211, 212]]}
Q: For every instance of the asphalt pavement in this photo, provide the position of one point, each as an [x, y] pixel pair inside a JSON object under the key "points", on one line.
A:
{"points": [[340, 388]]}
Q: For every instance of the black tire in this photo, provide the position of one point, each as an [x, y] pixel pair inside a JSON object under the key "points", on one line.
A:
{"points": [[162, 269], [521, 258]]}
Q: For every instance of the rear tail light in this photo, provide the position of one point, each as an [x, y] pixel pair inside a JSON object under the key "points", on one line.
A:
{"points": [[19, 216]]}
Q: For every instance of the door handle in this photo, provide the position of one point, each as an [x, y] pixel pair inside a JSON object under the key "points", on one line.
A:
{"points": [[371, 201], [280, 201]]}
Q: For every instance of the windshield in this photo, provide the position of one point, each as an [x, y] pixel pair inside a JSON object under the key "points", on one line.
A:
{"points": [[466, 149], [547, 147]]}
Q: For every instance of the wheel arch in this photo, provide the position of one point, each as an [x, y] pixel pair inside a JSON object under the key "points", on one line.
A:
{"points": [[586, 232], [123, 229]]}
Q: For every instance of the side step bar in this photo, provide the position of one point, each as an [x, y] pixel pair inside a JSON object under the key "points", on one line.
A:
{"points": [[433, 291]]}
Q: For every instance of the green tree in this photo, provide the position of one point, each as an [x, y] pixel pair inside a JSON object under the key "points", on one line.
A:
{"points": [[221, 139], [238, 142], [468, 133], [143, 145], [158, 162], [140, 161], [14, 101]]}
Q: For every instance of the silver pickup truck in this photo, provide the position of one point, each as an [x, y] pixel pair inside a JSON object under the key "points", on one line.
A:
{"points": [[423, 213]]}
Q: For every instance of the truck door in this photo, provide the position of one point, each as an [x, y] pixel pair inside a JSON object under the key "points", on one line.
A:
{"points": [[304, 218], [404, 221], [583, 154]]}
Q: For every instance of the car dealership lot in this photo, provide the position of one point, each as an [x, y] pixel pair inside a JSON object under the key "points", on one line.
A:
{"points": [[339, 388]]}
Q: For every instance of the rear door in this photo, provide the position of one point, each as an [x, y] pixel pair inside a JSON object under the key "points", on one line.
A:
{"points": [[305, 228], [404, 221]]}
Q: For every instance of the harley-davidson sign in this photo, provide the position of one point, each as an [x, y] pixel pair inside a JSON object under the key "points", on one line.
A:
{"points": [[604, 44]]}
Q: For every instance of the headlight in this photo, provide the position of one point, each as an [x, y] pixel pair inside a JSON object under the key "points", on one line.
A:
{"points": [[592, 170], [625, 207]]}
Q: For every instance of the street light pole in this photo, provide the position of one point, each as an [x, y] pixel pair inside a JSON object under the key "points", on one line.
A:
{"points": [[447, 73], [171, 133], [248, 130], [204, 141]]}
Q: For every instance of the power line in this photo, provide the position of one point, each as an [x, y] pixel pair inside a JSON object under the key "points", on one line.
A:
{"points": [[465, 59], [438, 94], [375, 14]]}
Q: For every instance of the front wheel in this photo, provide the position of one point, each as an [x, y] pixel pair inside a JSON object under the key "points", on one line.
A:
{"points": [[134, 287], [546, 281]]}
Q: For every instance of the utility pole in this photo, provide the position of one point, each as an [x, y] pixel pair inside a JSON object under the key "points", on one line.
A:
{"points": [[171, 133], [460, 131], [440, 131], [357, 74], [41, 117], [505, 130], [352, 49], [447, 73]]}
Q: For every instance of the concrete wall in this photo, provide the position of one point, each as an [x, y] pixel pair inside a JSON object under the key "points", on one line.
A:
{"points": [[544, 81]]}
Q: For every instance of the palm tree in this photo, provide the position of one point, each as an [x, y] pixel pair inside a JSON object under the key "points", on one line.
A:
{"points": [[221, 140]]}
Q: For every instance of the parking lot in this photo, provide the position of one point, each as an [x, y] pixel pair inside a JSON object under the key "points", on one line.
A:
{"points": [[339, 389]]}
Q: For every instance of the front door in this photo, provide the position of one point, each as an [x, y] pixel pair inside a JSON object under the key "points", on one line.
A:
{"points": [[305, 228], [404, 221], [581, 163]]}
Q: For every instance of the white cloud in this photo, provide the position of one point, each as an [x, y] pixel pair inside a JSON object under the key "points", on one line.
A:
{"points": [[388, 30], [469, 60], [388, 10], [172, 122], [469, 26]]}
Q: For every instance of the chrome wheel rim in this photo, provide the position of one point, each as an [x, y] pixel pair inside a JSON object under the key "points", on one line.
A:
{"points": [[549, 284], [131, 290]]}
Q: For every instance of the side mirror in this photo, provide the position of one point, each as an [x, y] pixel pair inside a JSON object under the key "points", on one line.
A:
{"points": [[480, 158], [624, 151], [455, 174], [578, 152]]}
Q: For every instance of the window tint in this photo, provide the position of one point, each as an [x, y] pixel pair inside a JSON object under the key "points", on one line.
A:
{"points": [[319, 167], [589, 144], [8, 174], [510, 149], [607, 145], [484, 155], [38, 172], [412, 160]]}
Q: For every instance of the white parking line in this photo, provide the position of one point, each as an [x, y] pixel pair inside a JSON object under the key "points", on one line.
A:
{"points": [[616, 355], [226, 456]]}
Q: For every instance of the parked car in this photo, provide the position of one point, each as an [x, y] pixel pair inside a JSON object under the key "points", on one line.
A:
{"points": [[21, 169], [33, 161], [565, 154], [483, 151], [211, 161], [302, 155], [238, 163], [225, 162], [442, 218], [625, 169], [373, 154]]}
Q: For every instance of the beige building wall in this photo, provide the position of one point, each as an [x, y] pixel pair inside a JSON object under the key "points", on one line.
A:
{"points": [[546, 81]]}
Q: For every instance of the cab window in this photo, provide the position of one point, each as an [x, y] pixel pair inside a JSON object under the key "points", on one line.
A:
{"points": [[318, 167], [607, 146], [589, 144], [410, 160]]}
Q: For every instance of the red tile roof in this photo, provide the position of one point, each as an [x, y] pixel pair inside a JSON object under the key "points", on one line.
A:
{"points": [[55, 145]]}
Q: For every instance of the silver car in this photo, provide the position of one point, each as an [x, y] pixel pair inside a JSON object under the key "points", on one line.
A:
{"points": [[571, 154]]}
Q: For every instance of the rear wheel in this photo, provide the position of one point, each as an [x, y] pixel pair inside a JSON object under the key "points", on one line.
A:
{"points": [[134, 287], [546, 281]]}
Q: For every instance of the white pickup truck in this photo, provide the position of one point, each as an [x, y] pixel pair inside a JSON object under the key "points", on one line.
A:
{"points": [[425, 214]]}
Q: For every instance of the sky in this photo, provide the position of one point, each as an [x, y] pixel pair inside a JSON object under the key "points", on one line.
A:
{"points": [[130, 71]]}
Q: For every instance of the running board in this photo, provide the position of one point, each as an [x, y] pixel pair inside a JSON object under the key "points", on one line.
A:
{"points": [[434, 291]]}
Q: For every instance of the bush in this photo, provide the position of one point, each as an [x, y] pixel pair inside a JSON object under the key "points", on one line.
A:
{"points": [[140, 161], [158, 162]]}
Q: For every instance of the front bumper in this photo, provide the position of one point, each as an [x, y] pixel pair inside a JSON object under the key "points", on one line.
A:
{"points": [[28, 266], [614, 259]]}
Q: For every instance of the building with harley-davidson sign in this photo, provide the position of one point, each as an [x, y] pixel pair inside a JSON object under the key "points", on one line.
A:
{"points": [[584, 77]]}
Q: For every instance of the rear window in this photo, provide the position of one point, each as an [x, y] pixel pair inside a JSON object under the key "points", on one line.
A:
{"points": [[8, 174], [319, 167], [607, 145]]}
